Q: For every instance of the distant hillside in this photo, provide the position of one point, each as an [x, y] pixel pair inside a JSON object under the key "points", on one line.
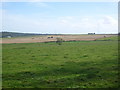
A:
{"points": [[14, 34]]}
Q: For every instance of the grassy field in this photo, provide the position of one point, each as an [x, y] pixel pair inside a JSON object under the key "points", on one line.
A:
{"points": [[114, 38], [80, 64]]}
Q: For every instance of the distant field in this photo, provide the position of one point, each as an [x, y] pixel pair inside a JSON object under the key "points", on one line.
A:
{"points": [[80, 64], [45, 38], [113, 38]]}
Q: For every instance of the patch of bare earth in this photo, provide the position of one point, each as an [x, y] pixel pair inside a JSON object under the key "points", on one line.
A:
{"points": [[47, 39]]}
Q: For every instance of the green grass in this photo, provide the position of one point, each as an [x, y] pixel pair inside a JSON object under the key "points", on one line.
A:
{"points": [[113, 38], [82, 64]]}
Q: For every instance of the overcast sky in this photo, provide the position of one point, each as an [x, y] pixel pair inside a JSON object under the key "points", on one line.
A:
{"points": [[60, 17]]}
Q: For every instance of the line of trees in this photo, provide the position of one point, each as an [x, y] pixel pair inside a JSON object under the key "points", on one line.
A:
{"points": [[15, 34]]}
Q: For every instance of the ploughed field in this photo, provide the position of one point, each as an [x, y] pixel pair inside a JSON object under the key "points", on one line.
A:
{"points": [[74, 64], [47, 38]]}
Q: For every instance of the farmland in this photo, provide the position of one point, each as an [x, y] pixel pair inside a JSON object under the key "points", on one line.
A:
{"points": [[45, 38], [74, 64]]}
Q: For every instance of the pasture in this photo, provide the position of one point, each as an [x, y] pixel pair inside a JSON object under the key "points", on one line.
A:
{"points": [[74, 64]]}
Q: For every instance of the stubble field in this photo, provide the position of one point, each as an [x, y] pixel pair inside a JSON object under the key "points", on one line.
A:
{"points": [[46, 38]]}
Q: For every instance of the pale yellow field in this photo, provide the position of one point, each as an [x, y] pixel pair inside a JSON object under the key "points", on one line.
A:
{"points": [[34, 39]]}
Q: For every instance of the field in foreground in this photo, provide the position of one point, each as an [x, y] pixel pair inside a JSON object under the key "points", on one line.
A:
{"points": [[80, 64]]}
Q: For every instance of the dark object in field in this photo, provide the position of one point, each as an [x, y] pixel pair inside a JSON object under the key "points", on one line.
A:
{"points": [[104, 36], [50, 37]]}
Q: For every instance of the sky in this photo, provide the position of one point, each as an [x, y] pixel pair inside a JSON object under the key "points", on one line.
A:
{"points": [[60, 17]]}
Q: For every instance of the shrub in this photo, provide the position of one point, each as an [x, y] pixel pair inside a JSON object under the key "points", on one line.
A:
{"points": [[59, 41]]}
